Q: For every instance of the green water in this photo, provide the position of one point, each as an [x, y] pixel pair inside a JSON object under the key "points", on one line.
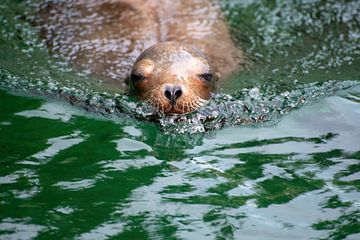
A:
{"points": [[66, 173], [69, 174]]}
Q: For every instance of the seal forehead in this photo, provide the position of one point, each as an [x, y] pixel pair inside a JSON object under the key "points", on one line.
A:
{"points": [[183, 63], [180, 55]]}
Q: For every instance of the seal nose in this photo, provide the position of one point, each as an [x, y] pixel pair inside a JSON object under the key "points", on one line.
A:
{"points": [[172, 93]]}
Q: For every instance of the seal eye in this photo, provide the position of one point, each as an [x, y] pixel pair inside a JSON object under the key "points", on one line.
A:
{"points": [[206, 76], [135, 77]]}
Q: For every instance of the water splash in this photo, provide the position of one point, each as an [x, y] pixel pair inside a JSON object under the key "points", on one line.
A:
{"points": [[255, 106]]}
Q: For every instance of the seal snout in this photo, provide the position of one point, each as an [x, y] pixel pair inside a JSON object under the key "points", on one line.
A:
{"points": [[172, 93]]}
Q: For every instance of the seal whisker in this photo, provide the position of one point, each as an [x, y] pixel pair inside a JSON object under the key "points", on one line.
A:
{"points": [[193, 104]]}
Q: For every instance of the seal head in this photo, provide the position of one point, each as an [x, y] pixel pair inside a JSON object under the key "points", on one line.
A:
{"points": [[173, 77]]}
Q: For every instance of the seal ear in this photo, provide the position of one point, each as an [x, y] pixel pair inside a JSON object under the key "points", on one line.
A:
{"points": [[217, 76]]}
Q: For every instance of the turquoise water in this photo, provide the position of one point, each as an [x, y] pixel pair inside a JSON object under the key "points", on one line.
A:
{"points": [[288, 167]]}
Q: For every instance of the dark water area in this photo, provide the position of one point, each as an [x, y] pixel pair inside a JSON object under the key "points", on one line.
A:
{"points": [[274, 155]]}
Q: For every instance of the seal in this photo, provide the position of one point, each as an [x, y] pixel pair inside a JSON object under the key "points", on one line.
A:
{"points": [[175, 78], [105, 38]]}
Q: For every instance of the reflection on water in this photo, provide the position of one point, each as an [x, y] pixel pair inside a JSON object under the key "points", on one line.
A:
{"points": [[83, 32], [296, 41], [87, 178]]}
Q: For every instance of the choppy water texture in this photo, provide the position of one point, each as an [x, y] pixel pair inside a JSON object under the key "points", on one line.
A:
{"points": [[123, 172], [67, 174]]}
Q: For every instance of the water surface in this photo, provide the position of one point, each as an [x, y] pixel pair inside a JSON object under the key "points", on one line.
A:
{"points": [[69, 174], [274, 155]]}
